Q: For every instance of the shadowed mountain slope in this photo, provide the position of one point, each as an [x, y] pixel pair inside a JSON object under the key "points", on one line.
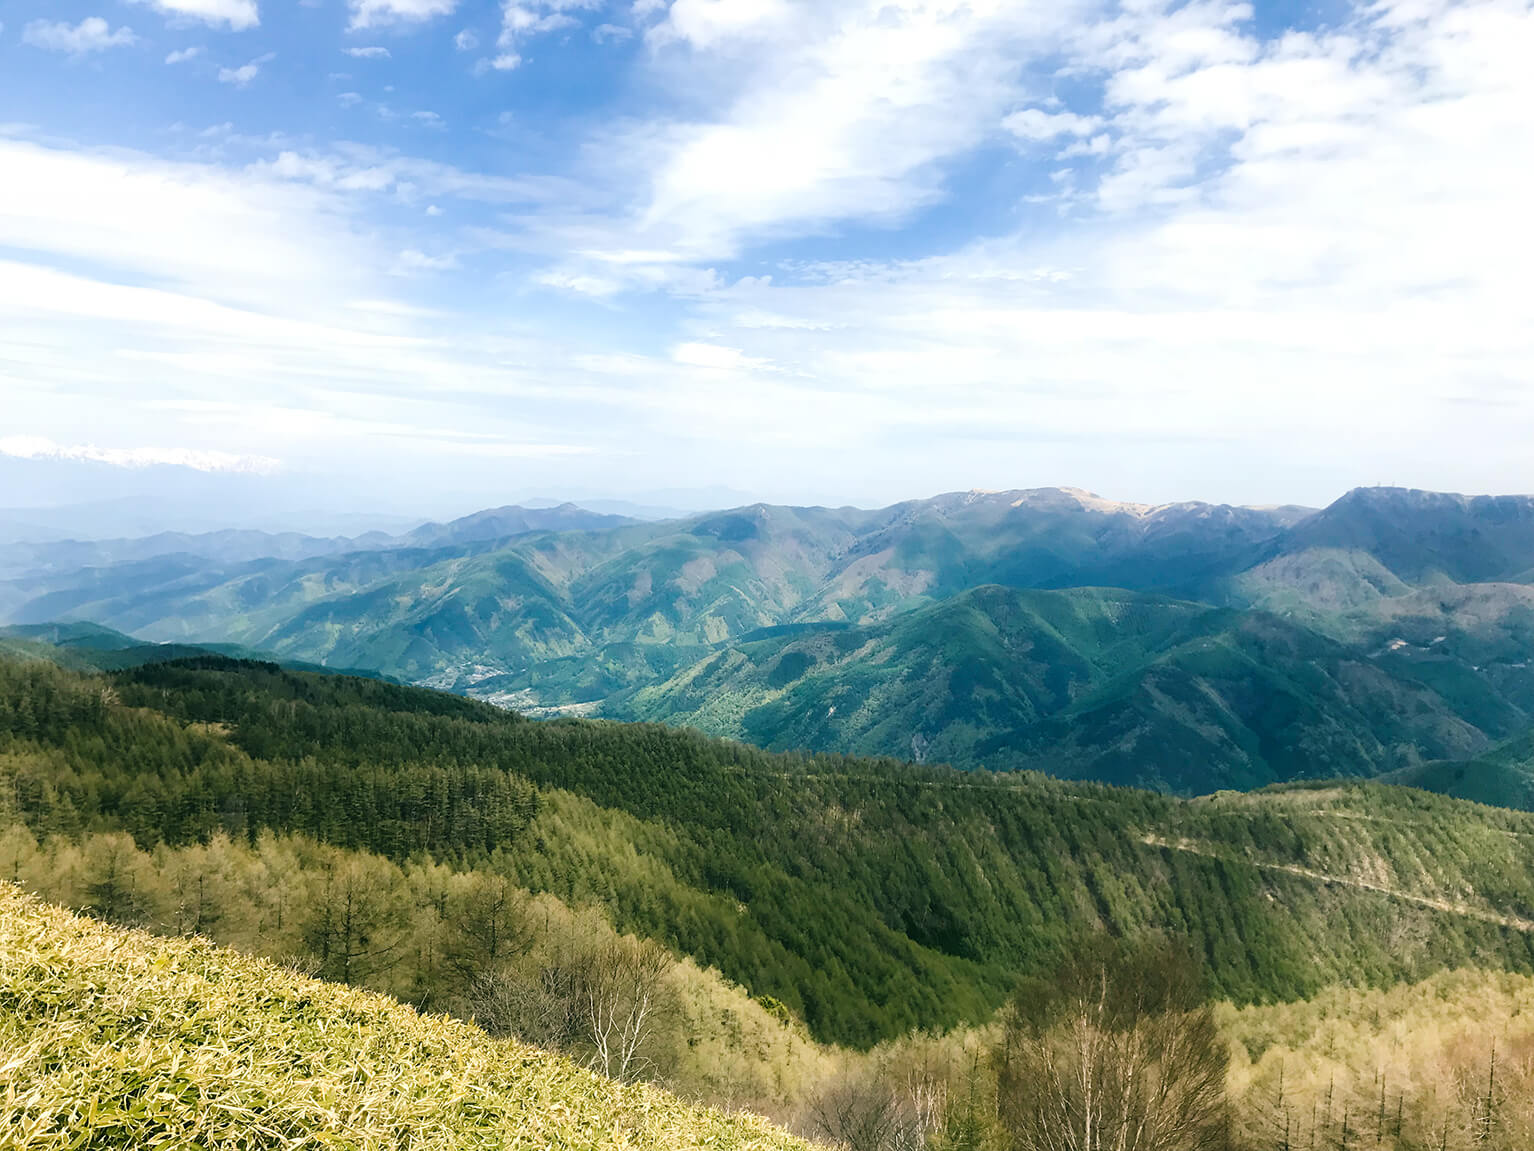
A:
{"points": [[1089, 683]]}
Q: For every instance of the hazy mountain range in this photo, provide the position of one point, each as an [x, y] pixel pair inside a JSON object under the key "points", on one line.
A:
{"points": [[1185, 646]]}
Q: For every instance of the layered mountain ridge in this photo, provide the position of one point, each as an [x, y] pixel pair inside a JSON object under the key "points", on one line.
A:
{"points": [[1238, 645]]}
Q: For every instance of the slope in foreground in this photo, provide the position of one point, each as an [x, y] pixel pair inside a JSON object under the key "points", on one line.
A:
{"points": [[112, 1038]]}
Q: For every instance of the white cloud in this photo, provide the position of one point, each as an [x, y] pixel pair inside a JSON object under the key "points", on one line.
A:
{"points": [[182, 55], [153, 303], [466, 41], [93, 34], [1251, 248], [236, 14], [1263, 265], [521, 19], [371, 52], [355, 168], [242, 76], [814, 114], [707, 23], [229, 236], [198, 459], [412, 261], [1037, 124], [701, 355], [378, 13], [610, 33]]}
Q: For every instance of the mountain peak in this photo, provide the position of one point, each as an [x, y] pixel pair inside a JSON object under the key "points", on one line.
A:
{"points": [[1419, 534]]}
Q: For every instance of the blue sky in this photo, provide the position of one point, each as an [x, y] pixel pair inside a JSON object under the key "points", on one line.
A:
{"points": [[435, 254]]}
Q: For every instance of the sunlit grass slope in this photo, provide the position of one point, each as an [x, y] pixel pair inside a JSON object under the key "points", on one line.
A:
{"points": [[113, 1038]]}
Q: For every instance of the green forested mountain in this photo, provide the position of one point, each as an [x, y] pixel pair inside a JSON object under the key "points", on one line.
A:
{"points": [[1185, 647], [1089, 683], [867, 896], [460, 609], [1427, 537], [1503, 776], [91, 647]]}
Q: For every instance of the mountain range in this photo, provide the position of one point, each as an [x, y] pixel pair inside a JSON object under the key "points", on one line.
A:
{"points": [[1185, 647]]}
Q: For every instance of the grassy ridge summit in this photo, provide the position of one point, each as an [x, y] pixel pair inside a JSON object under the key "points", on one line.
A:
{"points": [[868, 896], [117, 1038]]}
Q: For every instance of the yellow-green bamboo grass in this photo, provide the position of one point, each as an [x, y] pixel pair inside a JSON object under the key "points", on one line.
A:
{"points": [[114, 1038]]}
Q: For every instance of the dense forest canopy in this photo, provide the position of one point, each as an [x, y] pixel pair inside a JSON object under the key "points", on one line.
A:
{"points": [[869, 897]]}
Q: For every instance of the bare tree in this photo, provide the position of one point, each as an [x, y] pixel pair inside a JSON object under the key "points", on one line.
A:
{"points": [[537, 1006], [863, 1113], [1116, 1053], [606, 1001], [621, 993]]}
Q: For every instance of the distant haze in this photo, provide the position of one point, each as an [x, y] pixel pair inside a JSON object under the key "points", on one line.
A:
{"points": [[57, 499]]}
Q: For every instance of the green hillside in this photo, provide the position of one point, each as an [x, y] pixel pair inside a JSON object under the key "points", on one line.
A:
{"points": [[114, 1038], [869, 897], [1503, 776], [1427, 537], [1088, 683], [87, 646]]}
